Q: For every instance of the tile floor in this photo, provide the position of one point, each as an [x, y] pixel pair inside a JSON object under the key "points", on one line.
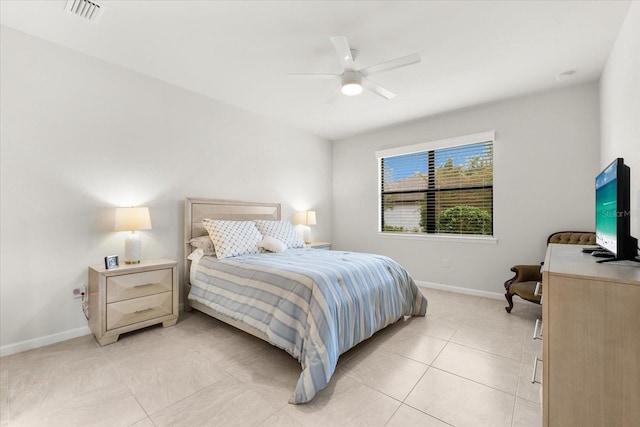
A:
{"points": [[467, 363]]}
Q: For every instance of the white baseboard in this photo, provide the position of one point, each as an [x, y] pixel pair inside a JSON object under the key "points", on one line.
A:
{"points": [[21, 346], [467, 291], [9, 349]]}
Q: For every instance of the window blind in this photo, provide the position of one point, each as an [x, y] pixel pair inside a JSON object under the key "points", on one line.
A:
{"points": [[447, 190]]}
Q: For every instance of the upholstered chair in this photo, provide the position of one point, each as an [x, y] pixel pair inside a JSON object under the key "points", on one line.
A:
{"points": [[523, 284]]}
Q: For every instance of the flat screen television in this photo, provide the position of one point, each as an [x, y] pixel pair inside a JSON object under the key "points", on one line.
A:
{"points": [[613, 216]]}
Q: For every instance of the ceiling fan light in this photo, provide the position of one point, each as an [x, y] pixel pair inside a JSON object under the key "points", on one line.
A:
{"points": [[351, 89], [351, 83]]}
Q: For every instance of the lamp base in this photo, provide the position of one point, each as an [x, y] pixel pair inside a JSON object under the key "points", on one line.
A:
{"points": [[132, 249], [306, 234]]}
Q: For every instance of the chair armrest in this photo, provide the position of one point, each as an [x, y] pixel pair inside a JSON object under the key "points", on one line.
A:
{"points": [[524, 273]]}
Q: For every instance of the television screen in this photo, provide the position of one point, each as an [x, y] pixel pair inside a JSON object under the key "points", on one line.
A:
{"points": [[607, 208], [613, 216]]}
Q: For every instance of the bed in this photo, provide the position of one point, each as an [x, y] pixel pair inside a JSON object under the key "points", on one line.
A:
{"points": [[314, 304]]}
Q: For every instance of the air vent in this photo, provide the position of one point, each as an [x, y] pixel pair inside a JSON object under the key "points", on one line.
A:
{"points": [[85, 9]]}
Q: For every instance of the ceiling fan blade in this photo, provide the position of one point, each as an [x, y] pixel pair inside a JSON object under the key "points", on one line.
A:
{"points": [[341, 45], [391, 65], [385, 93], [314, 76], [335, 95]]}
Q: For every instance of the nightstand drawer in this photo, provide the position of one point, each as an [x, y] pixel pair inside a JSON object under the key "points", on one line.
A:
{"points": [[136, 285], [136, 310]]}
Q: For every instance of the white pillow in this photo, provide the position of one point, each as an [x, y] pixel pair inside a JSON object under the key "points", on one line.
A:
{"points": [[281, 230], [196, 255], [204, 243], [272, 244], [232, 238]]}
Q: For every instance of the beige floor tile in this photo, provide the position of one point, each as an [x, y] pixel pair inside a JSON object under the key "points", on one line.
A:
{"points": [[149, 345], [4, 405], [418, 347], [477, 365], [531, 346], [389, 373], [43, 359], [145, 422], [280, 419], [520, 306], [194, 323], [225, 403], [496, 318], [451, 312], [345, 403], [4, 373], [196, 327], [440, 296], [231, 352], [535, 310], [461, 402], [273, 374], [109, 407], [160, 384], [45, 390], [527, 414], [499, 342], [437, 327], [408, 416], [530, 312], [498, 302], [429, 325]]}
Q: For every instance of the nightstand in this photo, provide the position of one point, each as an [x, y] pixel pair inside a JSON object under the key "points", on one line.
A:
{"points": [[320, 245], [131, 297]]}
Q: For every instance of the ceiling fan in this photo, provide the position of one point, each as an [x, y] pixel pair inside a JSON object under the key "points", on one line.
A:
{"points": [[353, 80]]}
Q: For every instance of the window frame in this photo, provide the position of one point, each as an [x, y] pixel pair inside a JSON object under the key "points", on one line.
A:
{"points": [[432, 146]]}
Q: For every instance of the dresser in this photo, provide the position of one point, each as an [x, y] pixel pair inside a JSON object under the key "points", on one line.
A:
{"points": [[591, 340], [131, 297]]}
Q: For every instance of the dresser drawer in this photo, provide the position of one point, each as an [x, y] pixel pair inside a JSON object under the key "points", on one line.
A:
{"points": [[136, 285], [136, 310]]}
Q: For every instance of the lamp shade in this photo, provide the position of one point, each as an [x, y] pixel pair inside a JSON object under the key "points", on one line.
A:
{"points": [[132, 219], [305, 218], [310, 218]]}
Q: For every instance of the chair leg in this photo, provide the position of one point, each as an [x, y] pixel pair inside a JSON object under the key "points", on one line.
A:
{"points": [[509, 298]]}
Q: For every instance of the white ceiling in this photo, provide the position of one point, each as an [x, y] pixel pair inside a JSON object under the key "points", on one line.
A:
{"points": [[241, 52]]}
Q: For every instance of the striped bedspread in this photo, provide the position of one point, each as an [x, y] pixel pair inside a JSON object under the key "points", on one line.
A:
{"points": [[314, 304]]}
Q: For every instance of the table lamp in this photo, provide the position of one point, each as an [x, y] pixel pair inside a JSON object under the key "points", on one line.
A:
{"points": [[307, 218], [132, 219]]}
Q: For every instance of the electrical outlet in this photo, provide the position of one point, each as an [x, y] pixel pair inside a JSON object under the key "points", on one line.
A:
{"points": [[77, 292], [445, 262]]}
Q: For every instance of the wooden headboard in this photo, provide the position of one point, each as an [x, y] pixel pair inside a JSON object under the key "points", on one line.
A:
{"points": [[196, 209]]}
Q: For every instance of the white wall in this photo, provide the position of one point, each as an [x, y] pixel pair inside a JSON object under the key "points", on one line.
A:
{"points": [[80, 137], [546, 155], [620, 107]]}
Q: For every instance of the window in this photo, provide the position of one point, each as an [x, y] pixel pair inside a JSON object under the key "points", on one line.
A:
{"points": [[441, 187]]}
